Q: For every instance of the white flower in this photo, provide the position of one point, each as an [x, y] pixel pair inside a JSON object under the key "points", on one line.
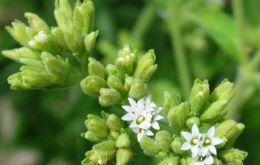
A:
{"points": [[202, 160], [143, 115], [41, 37], [209, 141], [193, 140]]}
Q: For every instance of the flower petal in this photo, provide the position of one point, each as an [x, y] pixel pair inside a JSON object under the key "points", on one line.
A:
{"points": [[158, 117], [211, 132], [186, 146], [186, 135], [195, 130], [127, 108], [213, 150], [209, 160], [194, 151], [128, 117], [132, 102], [216, 141], [149, 133], [155, 125]]}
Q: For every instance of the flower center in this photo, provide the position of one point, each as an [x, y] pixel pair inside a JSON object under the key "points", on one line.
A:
{"points": [[194, 141], [207, 141], [140, 119]]}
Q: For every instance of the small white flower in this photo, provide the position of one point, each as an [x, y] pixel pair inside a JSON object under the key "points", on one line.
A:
{"points": [[202, 160], [41, 37], [193, 140], [143, 115], [209, 141]]}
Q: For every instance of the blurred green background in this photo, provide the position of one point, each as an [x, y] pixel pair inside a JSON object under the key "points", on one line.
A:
{"points": [[43, 127]]}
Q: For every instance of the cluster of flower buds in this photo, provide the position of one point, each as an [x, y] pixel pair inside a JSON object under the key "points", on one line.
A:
{"points": [[46, 51], [113, 139], [203, 112], [128, 76]]}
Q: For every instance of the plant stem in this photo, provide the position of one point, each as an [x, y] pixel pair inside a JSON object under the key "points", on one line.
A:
{"points": [[239, 17], [178, 51], [143, 23]]}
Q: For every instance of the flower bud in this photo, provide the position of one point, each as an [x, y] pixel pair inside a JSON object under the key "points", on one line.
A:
{"points": [[199, 95], [20, 32], [123, 156], [101, 153], [92, 84], [149, 146], [163, 140], [138, 89], [128, 83], [170, 161], [90, 41], [58, 37], [113, 123], [63, 12], [145, 66], [176, 145], [97, 129], [170, 101], [95, 68], [108, 97], [23, 55], [218, 162], [36, 22], [233, 156], [113, 71], [116, 83], [224, 91], [192, 120], [126, 60], [55, 66], [177, 115], [123, 141], [186, 161], [230, 130], [215, 111]]}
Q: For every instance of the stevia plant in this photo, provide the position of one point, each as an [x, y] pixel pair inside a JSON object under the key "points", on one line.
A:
{"points": [[195, 131]]}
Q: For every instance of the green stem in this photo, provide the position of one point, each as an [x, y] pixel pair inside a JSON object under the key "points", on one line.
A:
{"points": [[143, 23], [239, 17], [178, 50]]}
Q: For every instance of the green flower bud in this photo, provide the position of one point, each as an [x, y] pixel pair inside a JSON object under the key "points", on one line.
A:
{"points": [[86, 12], [55, 66], [177, 116], [95, 68], [186, 161], [199, 95], [123, 156], [138, 89], [101, 153], [116, 83], [192, 120], [215, 111], [108, 97], [233, 156], [36, 22], [149, 146], [123, 141], [114, 134], [23, 55], [126, 60], [163, 140], [113, 71], [224, 91], [230, 130], [176, 145], [145, 66], [92, 84], [63, 13], [128, 83], [59, 38], [218, 162], [170, 161], [113, 123], [97, 129], [20, 32], [90, 41], [170, 101]]}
